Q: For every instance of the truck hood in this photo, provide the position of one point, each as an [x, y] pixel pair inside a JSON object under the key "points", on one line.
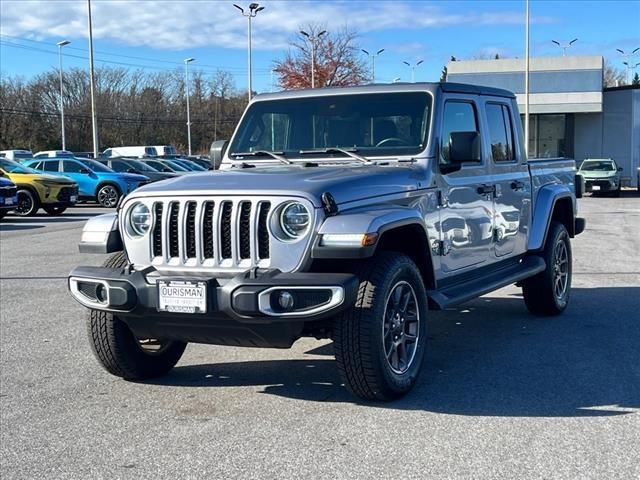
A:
{"points": [[346, 183], [598, 173]]}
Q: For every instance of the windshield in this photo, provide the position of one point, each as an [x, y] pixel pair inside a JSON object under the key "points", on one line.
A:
{"points": [[11, 166], [379, 124], [603, 166], [95, 165], [175, 166], [143, 167], [22, 155]]}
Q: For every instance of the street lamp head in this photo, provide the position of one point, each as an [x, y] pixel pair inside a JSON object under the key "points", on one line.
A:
{"points": [[380, 51], [367, 53], [253, 6], [259, 9], [63, 43], [189, 60], [407, 64], [304, 33], [625, 63], [556, 42], [322, 33], [572, 41], [239, 8], [621, 51], [419, 62], [635, 50]]}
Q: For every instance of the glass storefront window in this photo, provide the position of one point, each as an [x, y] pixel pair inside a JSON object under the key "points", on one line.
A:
{"points": [[549, 136]]}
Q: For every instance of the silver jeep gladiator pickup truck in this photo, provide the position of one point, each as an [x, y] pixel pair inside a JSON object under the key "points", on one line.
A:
{"points": [[344, 213]]}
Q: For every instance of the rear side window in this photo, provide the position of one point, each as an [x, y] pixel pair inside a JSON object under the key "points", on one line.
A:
{"points": [[50, 166], [457, 117], [119, 166], [500, 132], [150, 151], [71, 166]]}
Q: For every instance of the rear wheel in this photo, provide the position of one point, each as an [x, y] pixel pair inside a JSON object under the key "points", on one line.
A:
{"points": [[120, 352], [380, 342], [28, 203], [54, 211], [108, 196], [547, 293]]}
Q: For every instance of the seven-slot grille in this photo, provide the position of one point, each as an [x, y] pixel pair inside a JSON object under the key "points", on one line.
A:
{"points": [[222, 232]]}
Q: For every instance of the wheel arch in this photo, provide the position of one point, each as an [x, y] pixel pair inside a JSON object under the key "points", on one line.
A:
{"points": [[32, 189], [553, 202]]}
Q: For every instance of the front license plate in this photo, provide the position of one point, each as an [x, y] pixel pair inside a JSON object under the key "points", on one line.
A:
{"points": [[8, 201], [595, 187], [74, 198], [180, 296]]}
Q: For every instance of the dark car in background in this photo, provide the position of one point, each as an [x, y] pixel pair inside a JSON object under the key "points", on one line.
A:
{"points": [[132, 165], [8, 195], [163, 165]]}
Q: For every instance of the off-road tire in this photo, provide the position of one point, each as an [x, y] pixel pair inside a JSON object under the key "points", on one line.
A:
{"points": [[358, 332], [54, 211], [539, 291], [119, 351]]}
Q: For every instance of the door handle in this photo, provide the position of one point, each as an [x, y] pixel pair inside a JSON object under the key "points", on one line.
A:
{"points": [[517, 185], [486, 189]]}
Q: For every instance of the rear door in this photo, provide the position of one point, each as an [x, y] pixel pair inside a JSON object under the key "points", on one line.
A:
{"points": [[511, 199], [86, 184], [466, 211]]}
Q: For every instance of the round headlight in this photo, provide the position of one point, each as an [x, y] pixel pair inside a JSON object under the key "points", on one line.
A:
{"points": [[140, 219], [294, 220]]}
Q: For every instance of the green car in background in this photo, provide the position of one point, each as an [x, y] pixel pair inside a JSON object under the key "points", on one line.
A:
{"points": [[601, 175]]}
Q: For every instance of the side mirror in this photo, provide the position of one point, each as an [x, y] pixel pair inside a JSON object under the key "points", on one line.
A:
{"points": [[620, 169], [217, 152], [85, 171], [464, 147]]}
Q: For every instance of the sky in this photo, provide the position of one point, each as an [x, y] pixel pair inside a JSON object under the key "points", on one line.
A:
{"points": [[159, 35]]}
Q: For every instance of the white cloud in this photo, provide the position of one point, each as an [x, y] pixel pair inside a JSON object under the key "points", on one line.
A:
{"points": [[184, 24]]}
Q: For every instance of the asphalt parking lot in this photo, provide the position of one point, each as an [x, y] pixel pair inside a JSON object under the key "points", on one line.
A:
{"points": [[503, 394]]}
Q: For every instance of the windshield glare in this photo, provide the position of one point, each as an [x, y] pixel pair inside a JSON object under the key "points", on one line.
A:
{"points": [[95, 165], [11, 166], [143, 167], [604, 166], [379, 124]]}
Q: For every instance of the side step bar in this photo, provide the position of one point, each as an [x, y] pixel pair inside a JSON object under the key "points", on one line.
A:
{"points": [[462, 292]]}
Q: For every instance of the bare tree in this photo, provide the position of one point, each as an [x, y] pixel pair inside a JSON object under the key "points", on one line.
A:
{"points": [[612, 76], [337, 60]]}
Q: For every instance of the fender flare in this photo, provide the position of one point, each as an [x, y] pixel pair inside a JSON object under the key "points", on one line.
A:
{"points": [[101, 234], [546, 200]]}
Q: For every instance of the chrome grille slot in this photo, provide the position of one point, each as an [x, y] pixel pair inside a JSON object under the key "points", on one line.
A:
{"points": [[263, 232], [174, 235], [157, 230], [225, 230], [208, 230], [190, 224], [244, 230]]}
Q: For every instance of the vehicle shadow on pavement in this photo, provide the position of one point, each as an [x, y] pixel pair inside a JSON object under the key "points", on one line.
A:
{"points": [[489, 357]]}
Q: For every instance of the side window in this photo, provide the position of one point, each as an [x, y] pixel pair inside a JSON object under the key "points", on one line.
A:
{"points": [[457, 117], [71, 167], [36, 166], [107, 152], [500, 132], [50, 165], [119, 166]]}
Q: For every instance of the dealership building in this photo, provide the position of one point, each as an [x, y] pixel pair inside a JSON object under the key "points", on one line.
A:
{"points": [[571, 114]]}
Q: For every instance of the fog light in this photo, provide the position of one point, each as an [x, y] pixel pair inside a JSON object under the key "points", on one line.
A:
{"points": [[285, 300], [101, 293]]}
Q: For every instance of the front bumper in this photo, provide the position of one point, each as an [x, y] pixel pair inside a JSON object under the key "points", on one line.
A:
{"points": [[237, 312], [602, 184]]}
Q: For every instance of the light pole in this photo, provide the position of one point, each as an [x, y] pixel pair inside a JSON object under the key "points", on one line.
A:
{"points": [[313, 39], [413, 69], [187, 61], [627, 56], [373, 62], [60, 45], [564, 46], [526, 79], [254, 8], [630, 69], [94, 118]]}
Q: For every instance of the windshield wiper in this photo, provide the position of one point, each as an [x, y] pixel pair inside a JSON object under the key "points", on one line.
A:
{"points": [[349, 153], [277, 155]]}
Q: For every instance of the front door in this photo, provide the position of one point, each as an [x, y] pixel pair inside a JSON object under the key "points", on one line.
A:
{"points": [[466, 212], [81, 175], [511, 201]]}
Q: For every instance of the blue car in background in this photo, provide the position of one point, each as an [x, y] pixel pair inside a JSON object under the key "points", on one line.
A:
{"points": [[95, 180]]}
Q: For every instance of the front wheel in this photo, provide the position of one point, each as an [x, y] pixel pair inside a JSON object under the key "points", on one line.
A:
{"points": [[547, 293], [120, 352], [108, 196], [380, 342], [28, 203], [54, 211]]}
